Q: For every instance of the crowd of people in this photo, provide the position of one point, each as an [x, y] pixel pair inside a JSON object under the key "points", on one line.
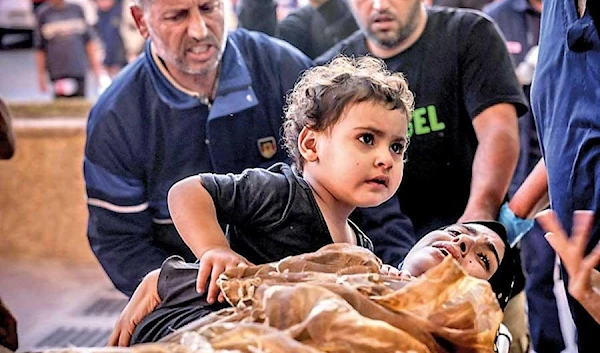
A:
{"points": [[190, 132]]}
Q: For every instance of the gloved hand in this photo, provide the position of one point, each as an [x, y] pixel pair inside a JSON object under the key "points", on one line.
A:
{"points": [[516, 227]]}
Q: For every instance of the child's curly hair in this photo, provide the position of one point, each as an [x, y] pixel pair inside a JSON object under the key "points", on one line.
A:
{"points": [[323, 92]]}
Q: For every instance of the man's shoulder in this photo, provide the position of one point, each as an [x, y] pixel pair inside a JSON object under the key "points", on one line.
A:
{"points": [[125, 90], [455, 16]]}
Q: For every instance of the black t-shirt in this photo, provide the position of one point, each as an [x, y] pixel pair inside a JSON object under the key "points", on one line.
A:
{"points": [[456, 69], [271, 214]]}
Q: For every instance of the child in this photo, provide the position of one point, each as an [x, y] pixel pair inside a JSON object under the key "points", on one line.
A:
{"points": [[345, 129]]}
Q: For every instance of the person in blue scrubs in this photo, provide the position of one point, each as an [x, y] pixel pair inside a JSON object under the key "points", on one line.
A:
{"points": [[565, 102]]}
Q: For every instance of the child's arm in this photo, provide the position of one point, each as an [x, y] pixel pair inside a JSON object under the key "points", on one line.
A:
{"points": [[194, 215]]}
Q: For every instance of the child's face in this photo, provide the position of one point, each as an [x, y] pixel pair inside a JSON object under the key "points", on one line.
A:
{"points": [[360, 158]]}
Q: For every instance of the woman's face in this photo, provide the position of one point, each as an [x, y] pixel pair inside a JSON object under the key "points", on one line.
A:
{"points": [[477, 248]]}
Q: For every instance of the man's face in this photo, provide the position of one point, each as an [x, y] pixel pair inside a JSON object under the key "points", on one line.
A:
{"points": [[189, 35], [387, 23], [478, 249]]}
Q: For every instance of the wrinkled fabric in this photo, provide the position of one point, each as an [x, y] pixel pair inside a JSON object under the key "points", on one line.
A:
{"points": [[335, 300], [348, 307]]}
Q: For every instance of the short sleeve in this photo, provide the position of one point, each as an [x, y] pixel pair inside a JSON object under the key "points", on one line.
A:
{"points": [[254, 198], [487, 75]]}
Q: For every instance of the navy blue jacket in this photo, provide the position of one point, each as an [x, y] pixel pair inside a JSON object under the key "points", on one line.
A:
{"points": [[144, 134]]}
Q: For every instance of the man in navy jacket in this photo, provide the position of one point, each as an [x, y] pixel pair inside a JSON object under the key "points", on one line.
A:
{"points": [[197, 100]]}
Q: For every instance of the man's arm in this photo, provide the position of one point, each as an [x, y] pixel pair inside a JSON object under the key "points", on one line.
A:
{"points": [[532, 195], [120, 226], [493, 98], [120, 233], [495, 161]]}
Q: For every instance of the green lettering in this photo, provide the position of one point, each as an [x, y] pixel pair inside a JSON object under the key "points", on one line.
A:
{"points": [[433, 121], [419, 122]]}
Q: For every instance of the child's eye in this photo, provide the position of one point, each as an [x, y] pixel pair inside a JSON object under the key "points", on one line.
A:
{"points": [[485, 260], [397, 148], [367, 139]]}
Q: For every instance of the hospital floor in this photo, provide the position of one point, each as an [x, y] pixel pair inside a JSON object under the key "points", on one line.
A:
{"points": [[59, 305]]}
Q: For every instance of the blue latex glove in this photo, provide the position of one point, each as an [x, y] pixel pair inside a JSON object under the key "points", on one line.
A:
{"points": [[516, 227]]}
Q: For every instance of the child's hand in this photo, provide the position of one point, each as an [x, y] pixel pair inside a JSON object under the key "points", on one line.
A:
{"points": [[212, 263]]}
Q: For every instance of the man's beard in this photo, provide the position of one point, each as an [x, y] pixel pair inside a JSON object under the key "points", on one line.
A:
{"points": [[179, 61], [401, 34]]}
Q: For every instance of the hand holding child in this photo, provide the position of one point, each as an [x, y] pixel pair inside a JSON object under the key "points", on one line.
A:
{"points": [[212, 263]]}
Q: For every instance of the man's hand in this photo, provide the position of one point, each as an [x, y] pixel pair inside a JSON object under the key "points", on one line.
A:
{"points": [[212, 263], [584, 279], [516, 227], [143, 301]]}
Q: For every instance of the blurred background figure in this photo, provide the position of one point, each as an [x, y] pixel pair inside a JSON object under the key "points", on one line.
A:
{"points": [[466, 4], [133, 42], [313, 28], [108, 28], [65, 45]]}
